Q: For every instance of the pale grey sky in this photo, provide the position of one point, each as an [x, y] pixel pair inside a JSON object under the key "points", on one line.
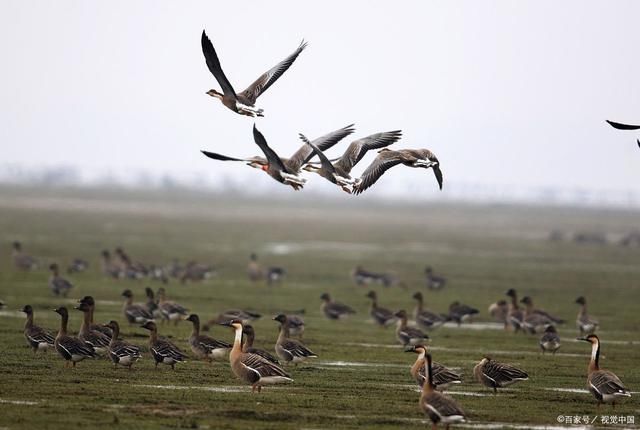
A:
{"points": [[504, 92]]}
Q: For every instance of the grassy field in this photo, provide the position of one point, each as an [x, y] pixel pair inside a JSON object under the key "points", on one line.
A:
{"points": [[361, 378]]}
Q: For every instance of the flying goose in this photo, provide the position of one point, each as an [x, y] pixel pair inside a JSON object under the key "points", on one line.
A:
{"points": [[301, 157], [96, 339], [381, 316], [134, 313], [247, 346], [92, 307], [550, 341], [162, 350], [621, 126], [244, 102], [586, 324], [339, 172], [434, 282], [290, 350], [605, 386], [426, 318], [387, 158], [21, 260], [70, 348], [496, 375], [441, 378], [121, 352], [253, 368], [408, 335], [514, 313], [38, 338], [334, 310], [57, 283], [203, 346], [460, 313], [439, 407], [170, 311], [272, 164]]}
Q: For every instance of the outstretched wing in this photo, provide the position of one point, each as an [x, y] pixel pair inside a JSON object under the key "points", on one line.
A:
{"points": [[358, 148], [271, 155], [254, 90], [323, 158], [221, 157], [214, 66], [305, 152], [383, 162], [621, 126]]}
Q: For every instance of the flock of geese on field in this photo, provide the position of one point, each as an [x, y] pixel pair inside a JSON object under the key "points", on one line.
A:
{"points": [[258, 367]]}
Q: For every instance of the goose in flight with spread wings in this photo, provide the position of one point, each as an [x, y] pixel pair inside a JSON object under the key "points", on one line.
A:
{"points": [[293, 164], [339, 172], [621, 126], [387, 158], [243, 102]]}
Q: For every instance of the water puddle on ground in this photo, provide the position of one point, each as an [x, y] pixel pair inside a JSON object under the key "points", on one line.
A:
{"points": [[19, 402], [358, 364], [12, 314], [227, 389], [285, 248]]}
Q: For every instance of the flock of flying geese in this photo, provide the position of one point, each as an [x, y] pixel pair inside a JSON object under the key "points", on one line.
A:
{"points": [[288, 170]]}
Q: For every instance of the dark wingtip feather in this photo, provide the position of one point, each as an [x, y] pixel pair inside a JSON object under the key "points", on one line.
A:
{"points": [[638, 140]]}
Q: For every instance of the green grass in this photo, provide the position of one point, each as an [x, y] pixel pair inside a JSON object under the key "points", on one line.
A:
{"points": [[483, 250]]}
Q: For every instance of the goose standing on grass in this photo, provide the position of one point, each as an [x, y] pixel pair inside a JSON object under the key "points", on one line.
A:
{"points": [[386, 159], [152, 304], [381, 316], [70, 348], [441, 378], [78, 265], [254, 270], [439, 407], [109, 268], [21, 260], [203, 346], [434, 282], [135, 313], [247, 345], [408, 335], [170, 311], [528, 302], [496, 375], [500, 311], [57, 283], [246, 316], [252, 368], [550, 340], [293, 164], [334, 310], [339, 172], [515, 314], [290, 350], [121, 352], [621, 126], [99, 341], [244, 102], [38, 338], [162, 350], [586, 324], [605, 386], [96, 327], [426, 318], [460, 313]]}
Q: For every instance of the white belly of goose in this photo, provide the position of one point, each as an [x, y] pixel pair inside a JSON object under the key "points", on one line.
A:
{"points": [[274, 379]]}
